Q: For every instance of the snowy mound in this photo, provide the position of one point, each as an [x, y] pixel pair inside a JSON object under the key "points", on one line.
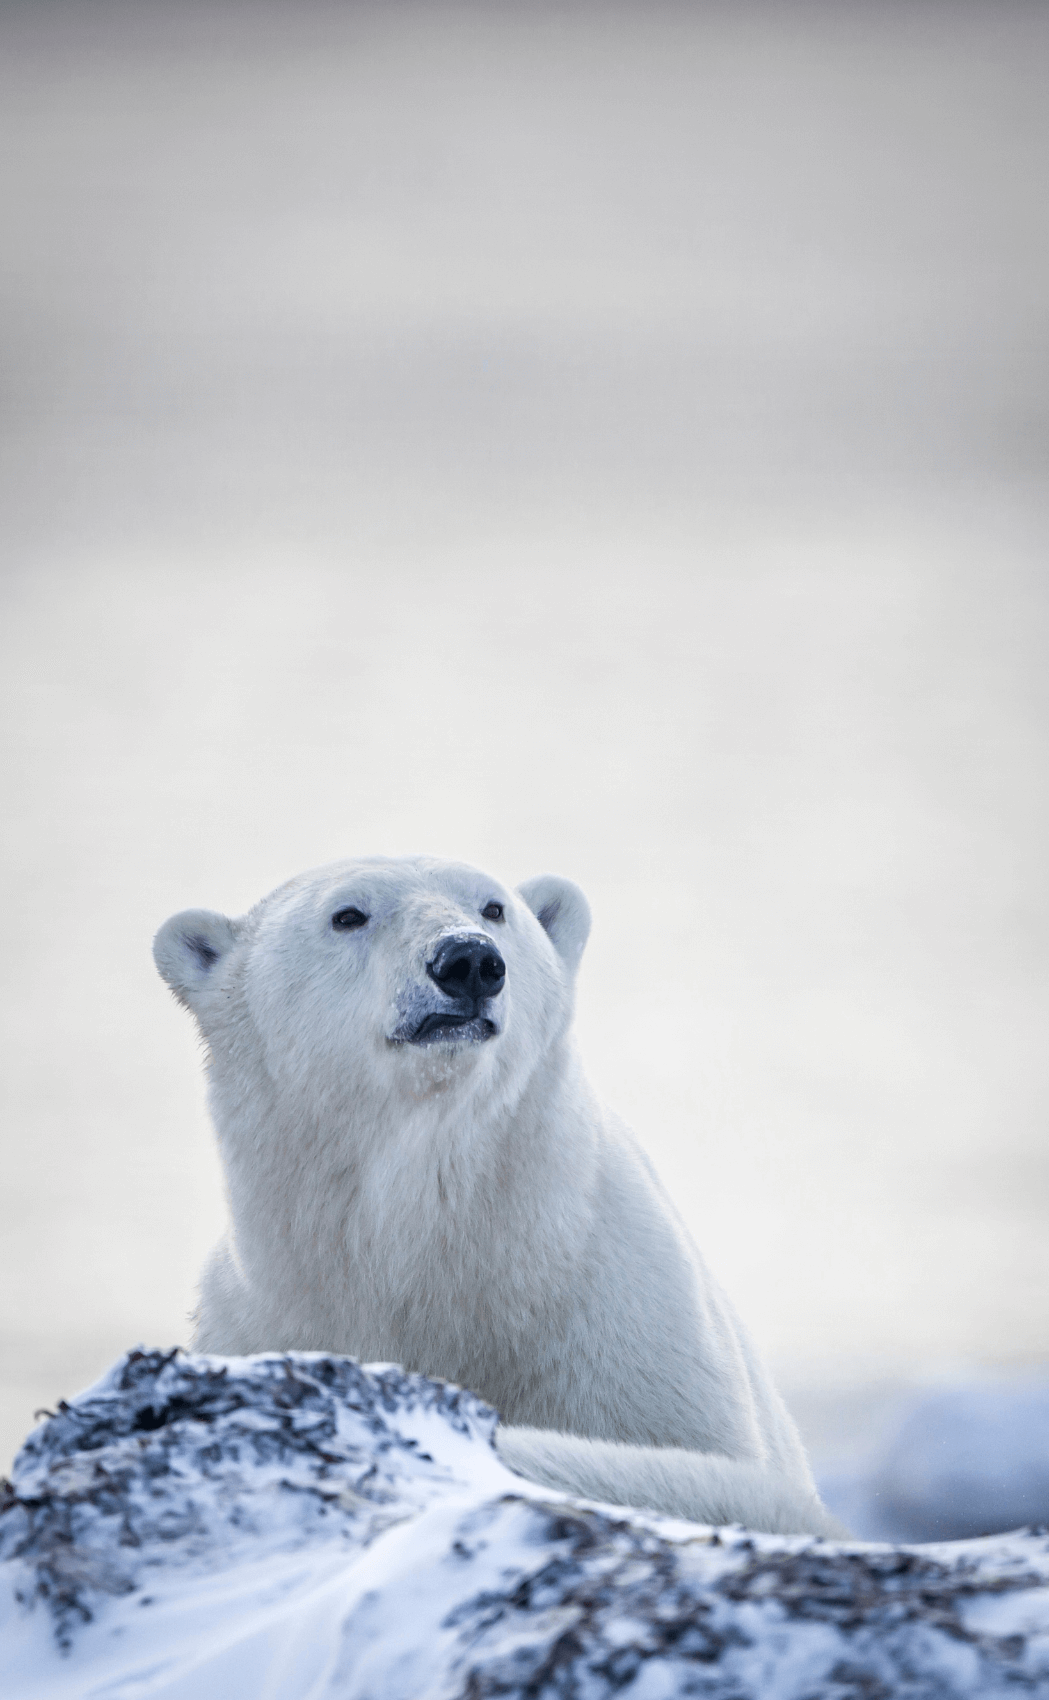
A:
{"points": [[956, 1462], [291, 1526]]}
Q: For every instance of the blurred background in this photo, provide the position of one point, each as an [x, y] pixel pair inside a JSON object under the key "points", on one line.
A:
{"points": [[590, 438]]}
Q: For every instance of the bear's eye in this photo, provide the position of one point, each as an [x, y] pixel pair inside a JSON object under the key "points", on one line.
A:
{"points": [[345, 920], [492, 912]]}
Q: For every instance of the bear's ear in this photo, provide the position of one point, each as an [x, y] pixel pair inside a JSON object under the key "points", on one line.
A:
{"points": [[562, 911], [188, 949]]}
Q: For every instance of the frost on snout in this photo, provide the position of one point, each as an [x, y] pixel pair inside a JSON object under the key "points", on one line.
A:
{"points": [[464, 974]]}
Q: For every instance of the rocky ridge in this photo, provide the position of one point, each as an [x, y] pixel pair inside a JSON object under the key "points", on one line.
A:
{"points": [[295, 1525]]}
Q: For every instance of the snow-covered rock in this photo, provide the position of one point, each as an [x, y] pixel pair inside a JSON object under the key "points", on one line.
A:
{"points": [[292, 1526]]}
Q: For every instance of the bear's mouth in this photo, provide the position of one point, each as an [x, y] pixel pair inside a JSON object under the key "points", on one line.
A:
{"points": [[446, 1027]]}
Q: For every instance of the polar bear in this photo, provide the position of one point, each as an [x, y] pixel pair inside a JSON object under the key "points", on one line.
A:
{"points": [[418, 1171]]}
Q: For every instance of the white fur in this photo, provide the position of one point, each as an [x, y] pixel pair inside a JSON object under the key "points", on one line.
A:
{"points": [[467, 1209], [703, 1487]]}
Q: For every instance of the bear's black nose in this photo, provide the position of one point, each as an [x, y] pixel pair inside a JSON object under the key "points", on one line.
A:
{"points": [[467, 966]]}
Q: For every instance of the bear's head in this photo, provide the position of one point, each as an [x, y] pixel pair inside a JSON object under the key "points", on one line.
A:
{"points": [[381, 981]]}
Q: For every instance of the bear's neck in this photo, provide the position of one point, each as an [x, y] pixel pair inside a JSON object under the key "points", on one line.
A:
{"points": [[342, 1222]]}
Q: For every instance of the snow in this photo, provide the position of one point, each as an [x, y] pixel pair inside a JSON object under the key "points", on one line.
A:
{"points": [[295, 1525]]}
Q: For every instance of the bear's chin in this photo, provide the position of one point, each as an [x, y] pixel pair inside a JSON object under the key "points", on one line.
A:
{"points": [[446, 1061]]}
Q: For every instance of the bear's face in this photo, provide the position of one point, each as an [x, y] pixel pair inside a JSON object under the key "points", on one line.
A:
{"points": [[382, 978]]}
